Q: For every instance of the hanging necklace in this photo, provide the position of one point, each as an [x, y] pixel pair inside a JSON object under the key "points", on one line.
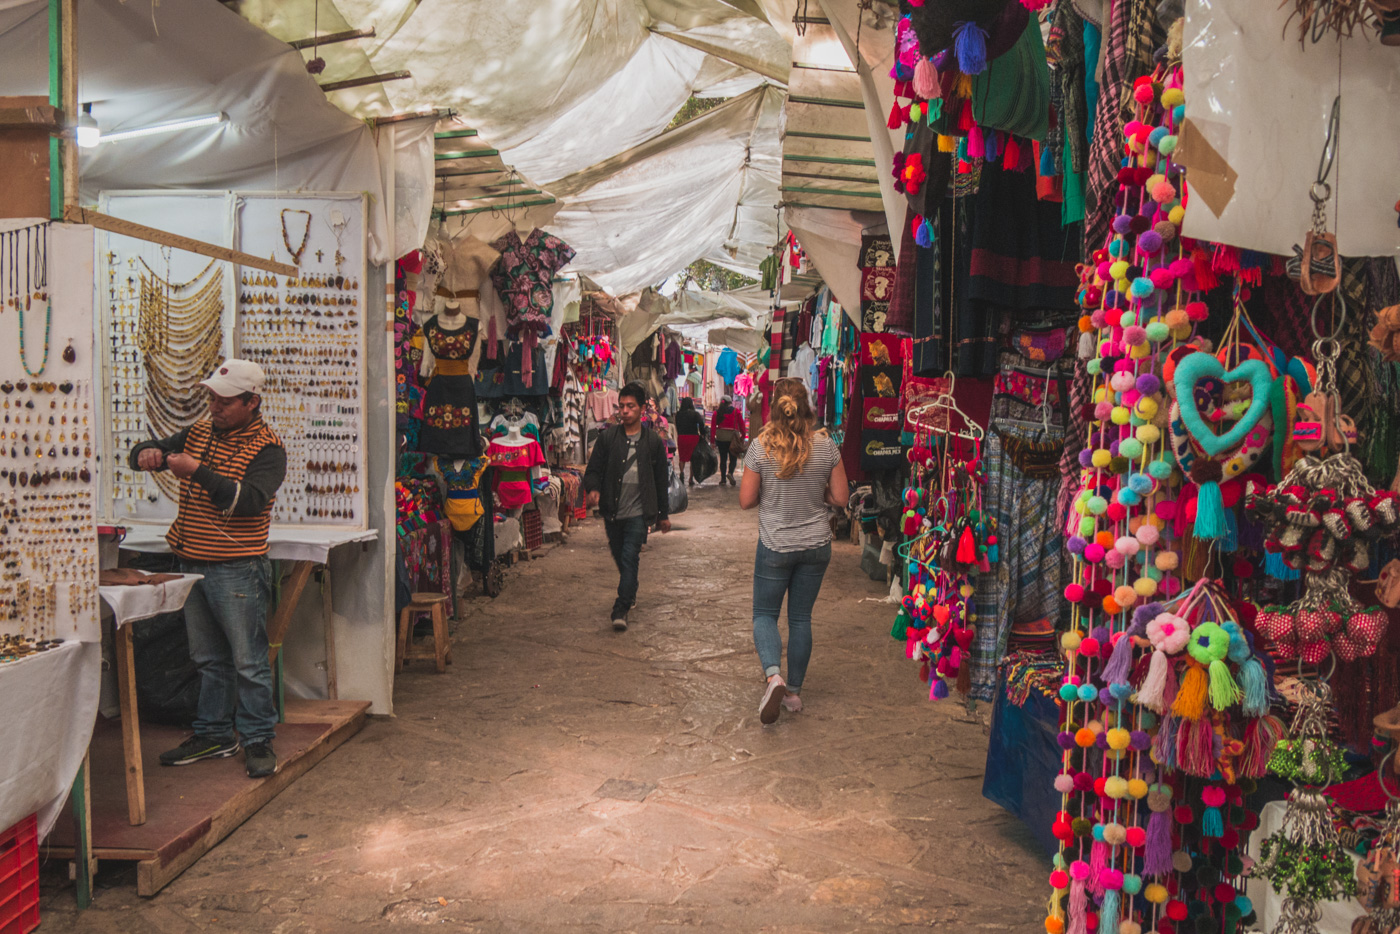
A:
{"points": [[34, 277], [305, 234]]}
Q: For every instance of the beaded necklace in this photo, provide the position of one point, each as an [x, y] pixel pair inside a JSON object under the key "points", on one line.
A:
{"points": [[305, 234], [35, 286]]}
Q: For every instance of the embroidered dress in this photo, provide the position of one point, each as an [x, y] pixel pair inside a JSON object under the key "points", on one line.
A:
{"points": [[463, 504], [524, 279], [449, 406], [514, 463]]}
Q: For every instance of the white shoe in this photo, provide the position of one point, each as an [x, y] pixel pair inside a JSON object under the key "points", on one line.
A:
{"points": [[772, 700], [792, 703]]}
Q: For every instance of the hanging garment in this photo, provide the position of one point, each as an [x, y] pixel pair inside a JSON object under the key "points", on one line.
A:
{"points": [[514, 464], [463, 504], [1023, 482], [524, 278], [449, 405], [728, 366]]}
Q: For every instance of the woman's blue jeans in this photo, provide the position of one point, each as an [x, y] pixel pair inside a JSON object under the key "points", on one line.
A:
{"points": [[798, 575], [226, 619]]}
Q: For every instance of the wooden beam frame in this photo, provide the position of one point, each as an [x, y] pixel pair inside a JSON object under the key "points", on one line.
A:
{"points": [[455, 134], [367, 79], [802, 134], [331, 38], [76, 215], [465, 154], [830, 160], [497, 207], [825, 101], [40, 117], [837, 192]]}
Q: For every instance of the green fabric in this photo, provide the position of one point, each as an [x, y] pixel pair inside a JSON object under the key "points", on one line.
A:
{"points": [[1013, 94], [1072, 208]]}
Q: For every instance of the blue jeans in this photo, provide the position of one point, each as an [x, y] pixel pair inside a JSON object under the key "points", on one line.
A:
{"points": [[626, 538], [798, 574], [226, 618]]}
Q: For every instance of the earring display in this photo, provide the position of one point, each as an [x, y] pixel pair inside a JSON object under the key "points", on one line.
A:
{"points": [[48, 423], [308, 334]]}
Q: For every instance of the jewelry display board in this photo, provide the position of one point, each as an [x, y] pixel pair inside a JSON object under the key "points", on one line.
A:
{"points": [[170, 317], [166, 322], [48, 437], [308, 334]]}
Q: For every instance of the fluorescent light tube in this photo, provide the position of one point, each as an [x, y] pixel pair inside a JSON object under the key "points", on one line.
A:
{"points": [[169, 126]]}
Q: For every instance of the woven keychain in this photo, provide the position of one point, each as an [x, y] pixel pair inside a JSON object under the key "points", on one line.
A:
{"points": [[1304, 860]]}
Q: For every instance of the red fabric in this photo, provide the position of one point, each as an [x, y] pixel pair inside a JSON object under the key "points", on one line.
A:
{"points": [[733, 419], [686, 446]]}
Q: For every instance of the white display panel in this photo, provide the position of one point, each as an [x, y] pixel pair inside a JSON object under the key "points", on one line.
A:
{"points": [[48, 433]]}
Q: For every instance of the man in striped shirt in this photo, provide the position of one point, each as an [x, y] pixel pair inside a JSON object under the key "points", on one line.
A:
{"points": [[230, 466]]}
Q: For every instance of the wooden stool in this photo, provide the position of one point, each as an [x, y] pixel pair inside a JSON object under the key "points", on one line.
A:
{"points": [[435, 605]]}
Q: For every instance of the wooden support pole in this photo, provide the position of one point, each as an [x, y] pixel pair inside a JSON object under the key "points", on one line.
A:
{"points": [[81, 802], [76, 215], [70, 100], [331, 38], [367, 79]]}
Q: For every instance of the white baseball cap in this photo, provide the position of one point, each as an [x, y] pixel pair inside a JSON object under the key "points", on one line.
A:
{"points": [[235, 377]]}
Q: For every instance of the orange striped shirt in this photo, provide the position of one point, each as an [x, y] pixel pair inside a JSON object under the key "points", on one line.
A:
{"points": [[202, 531]]}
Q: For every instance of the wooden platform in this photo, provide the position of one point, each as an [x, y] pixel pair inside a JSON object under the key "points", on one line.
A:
{"points": [[191, 808]]}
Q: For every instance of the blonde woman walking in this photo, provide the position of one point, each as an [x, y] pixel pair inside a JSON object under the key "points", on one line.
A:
{"points": [[791, 473]]}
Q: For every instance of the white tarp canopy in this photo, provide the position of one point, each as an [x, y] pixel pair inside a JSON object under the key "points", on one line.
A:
{"points": [[1259, 104], [141, 64], [832, 241]]}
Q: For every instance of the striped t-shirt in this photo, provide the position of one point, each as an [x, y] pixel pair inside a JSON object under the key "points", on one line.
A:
{"points": [[792, 513]]}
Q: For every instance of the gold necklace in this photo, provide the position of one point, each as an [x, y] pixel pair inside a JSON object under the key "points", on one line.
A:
{"points": [[305, 234]]}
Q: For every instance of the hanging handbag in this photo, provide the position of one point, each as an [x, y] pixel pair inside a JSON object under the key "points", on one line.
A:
{"points": [[739, 446]]}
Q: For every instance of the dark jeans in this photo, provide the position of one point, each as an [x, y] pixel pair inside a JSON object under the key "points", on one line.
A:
{"points": [[226, 619], [798, 574], [727, 460], [626, 538]]}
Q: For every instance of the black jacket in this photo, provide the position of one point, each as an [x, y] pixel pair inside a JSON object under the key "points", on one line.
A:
{"points": [[604, 473], [690, 422]]}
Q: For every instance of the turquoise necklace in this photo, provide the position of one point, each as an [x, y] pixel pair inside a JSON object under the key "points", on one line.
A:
{"points": [[48, 322], [36, 282]]}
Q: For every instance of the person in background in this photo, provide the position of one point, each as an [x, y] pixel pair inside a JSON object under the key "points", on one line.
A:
{"points": [[694, 381], [726, 427], [754, 408], [230, 466], [626, 480], [792, 473], [690, 426]]}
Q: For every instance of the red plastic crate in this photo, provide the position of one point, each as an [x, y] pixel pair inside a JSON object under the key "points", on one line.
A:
{"points": [[19, 877]]}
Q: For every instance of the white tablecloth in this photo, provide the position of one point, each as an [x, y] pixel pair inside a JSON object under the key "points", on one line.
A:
{"points": [[50, 703], [283, 544], [142, 601], [1336, 916]]}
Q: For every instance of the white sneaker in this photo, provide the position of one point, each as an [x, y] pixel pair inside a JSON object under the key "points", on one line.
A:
{"points": [[792, 703], [773, 696]]}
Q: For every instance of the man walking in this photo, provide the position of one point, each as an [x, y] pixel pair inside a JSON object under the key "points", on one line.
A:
{"points": [[229, 466], [626, 480]]}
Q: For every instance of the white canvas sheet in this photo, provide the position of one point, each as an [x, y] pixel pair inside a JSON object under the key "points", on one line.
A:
{"points": [[1262, 102]]}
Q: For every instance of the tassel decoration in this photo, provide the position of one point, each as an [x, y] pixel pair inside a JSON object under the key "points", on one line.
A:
{"points": [[1191, 697], [962, 87], [1255, 688], [1224, 692], [1152, 693], [1108, 911], [926, 80], [1210, 511], [947, 143], [1078, 904], [970, 46], [1098, 862], [1157, 858]]}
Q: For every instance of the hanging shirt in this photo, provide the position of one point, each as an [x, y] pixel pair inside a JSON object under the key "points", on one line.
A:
{"points": [[728, 366], [801, 365]]}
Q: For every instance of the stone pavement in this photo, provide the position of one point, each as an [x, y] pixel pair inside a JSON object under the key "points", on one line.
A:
{"points": [[563, 777]]}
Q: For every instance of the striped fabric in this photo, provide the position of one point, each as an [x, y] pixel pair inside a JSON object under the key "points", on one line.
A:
{"points": [[203, 532], [1026, 581], [792, 513]]}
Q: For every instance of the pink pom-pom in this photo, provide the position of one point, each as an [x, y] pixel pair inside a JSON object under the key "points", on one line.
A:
{"points": [[1162, 192], [1148, 534], [1074, 592], [1111, 879], [1213, 797], [1135, 335], [1181, 267], [1079, 869], [1114, 559], [1103, 269], [1127, 545], [1102, 410], [1064, 783], [1093, 553], [1162, 277], [1117, 512]]}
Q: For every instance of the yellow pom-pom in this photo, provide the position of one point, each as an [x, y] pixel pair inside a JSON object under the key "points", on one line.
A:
{"points": [[1148, 434], [1119, 739], [1115, 786], [1119, 269], [1101, 457], [1101, 393], [1140, 351], [1114, 754], [1182, 333], [1154, 180], [1120, 415], [1146, 408], [1171, 97], [1137, 788], [1121, 285], [1145, 587], [967, 590], [1156, 893], [1176, 214], [1070, 641]]}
